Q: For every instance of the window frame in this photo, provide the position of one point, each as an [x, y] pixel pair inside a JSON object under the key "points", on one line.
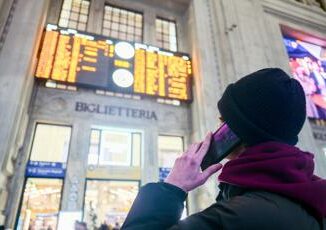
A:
{"points": [[131, 132], [169, 135], [50, 124], [79, 14], [135, 12], [174, 21]]}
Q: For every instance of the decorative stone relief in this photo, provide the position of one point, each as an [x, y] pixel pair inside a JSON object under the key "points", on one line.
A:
{"points": [[73, 193]]}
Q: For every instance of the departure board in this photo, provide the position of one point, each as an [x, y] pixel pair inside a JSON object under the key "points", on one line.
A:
{"points": [[88, 60]]}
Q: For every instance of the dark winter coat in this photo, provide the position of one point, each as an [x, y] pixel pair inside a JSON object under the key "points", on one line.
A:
{"points": [[276, 189], [159, 206]]}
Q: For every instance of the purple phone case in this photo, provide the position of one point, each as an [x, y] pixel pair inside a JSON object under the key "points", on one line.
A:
{"points": [[222, 143]]}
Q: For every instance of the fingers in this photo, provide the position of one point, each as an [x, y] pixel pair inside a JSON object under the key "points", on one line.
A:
{"points": [[210, 171], [204, 147], [193, 148]]}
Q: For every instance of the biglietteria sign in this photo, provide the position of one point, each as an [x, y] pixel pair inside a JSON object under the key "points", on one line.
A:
{"points": [[115, 111]]}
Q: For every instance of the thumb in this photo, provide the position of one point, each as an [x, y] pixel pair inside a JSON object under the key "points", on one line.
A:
{"points": [[210, 171]]}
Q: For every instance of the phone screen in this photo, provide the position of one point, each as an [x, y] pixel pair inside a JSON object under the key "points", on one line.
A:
{"points": [[223, 142]]}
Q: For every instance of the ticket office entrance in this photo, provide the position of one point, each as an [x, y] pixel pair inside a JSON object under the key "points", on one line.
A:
{"points": [[114, 172], [115, 163], [44, 177]]}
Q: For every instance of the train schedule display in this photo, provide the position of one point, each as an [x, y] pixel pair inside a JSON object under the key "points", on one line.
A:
{"points": [[88, 60]]}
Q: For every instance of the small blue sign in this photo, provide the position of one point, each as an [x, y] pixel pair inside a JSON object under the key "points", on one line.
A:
{"points": [[163, 173], [45, 169]]}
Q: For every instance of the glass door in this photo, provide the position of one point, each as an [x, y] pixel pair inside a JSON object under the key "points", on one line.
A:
{"points": [[107, 202], [41, 204]]}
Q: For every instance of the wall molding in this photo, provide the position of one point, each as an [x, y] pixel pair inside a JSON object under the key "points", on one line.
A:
{"points": [[297, 12]]}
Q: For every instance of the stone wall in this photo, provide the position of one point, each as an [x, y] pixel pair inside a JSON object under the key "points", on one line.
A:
{"points": [[17, 59]]}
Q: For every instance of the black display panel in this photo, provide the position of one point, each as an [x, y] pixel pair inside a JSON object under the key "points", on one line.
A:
{"points": [[89, 60]]}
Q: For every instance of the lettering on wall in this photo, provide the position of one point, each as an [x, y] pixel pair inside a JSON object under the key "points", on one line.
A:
{"points": [[319, 132], [115, 111], [319, 136]]}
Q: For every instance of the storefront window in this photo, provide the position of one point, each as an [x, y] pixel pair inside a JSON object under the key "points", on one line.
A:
{"points": [[108, 202], [51, 143], [40, 205], [114, 147]]}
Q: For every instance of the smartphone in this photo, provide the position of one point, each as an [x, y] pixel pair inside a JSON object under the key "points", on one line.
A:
{"points": [[223, 142]]}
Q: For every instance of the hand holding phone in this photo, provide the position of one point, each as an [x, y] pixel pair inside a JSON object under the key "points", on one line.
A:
{"points": [[223, 142], [186, 173]]}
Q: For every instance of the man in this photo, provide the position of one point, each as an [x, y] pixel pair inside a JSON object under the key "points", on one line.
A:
{"points": [[267, 184]]}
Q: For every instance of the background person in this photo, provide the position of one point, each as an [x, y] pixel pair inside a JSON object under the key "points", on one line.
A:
{"points": [[79, 225], [267, 184]]}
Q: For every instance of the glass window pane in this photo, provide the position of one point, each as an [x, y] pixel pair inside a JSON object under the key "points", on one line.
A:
{"points": [[74, 16], [65, 14], [166, 30], [138, 24], [74, 11], [108, 201], [172, 29], [83, 18], [93, 155], [136, 149], [139, 18], [84, 11], [114, 26], [41, 203], [51, 143], [106, 32], [123, 36], [67, 4], [114, 33], [81, 26], [115, 18], [106, 24], [95, 136], [115, 148], [122, 21], [130, 37], [130, 30], [138, 38], [85, 3], [72, 24], [138, 31], [93, 149], [131, 19], [173, 46], [123, 28], [169, 148], [63, 22]]}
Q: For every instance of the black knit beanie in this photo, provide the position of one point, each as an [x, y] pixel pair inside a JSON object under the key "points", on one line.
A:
{"points": [[266, 105]]}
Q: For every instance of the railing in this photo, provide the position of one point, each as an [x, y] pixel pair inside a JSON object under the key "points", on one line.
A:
{"points": [[314, 3]]}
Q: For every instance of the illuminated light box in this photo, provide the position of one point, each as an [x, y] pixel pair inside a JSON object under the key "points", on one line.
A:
{"points": [[89, 60], [308, 66]]}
